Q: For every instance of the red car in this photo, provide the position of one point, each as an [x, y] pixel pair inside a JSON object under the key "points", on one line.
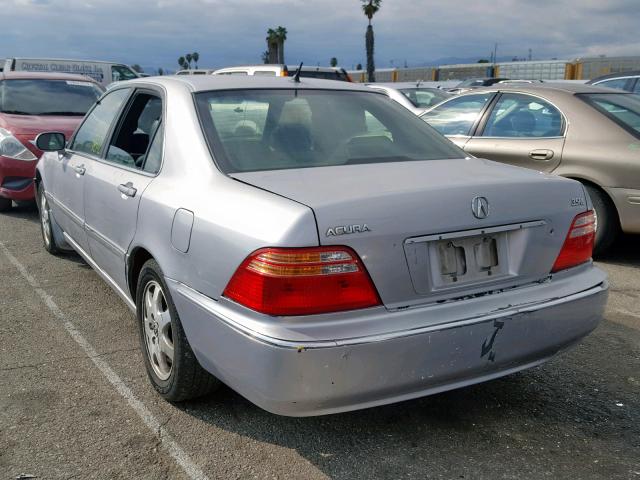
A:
{"points": [[31, 103]]}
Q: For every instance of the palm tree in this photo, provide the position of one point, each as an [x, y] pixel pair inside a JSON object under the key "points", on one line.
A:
{"points": [[182, 62], [333, 62], [370, 8], [281, 33], [196, 57], [188, 58], [272, 46]]}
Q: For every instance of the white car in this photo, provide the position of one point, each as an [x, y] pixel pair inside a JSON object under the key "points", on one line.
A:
{"points": [[412, 95], [326, 73]]}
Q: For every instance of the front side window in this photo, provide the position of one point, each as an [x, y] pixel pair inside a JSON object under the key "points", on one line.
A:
{"points": [[622, 108], [457, 116], [92, 134], [48, 97], [122, 72], [136, 131], [518, 115], [250, 130]]}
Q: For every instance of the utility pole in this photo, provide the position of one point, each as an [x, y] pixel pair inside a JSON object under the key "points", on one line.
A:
{"points": [[529, 54], [495, 53]]}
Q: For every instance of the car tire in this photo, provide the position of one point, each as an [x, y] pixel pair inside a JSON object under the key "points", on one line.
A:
{"points": [[607, 224], [46, 222], [5, 204], [171, 365]]}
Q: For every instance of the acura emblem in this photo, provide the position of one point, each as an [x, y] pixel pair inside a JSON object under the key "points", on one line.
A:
{"points": [[480, 207]]}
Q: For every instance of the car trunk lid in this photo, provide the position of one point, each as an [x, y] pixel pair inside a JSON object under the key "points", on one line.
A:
{"points": [[414, 227]]}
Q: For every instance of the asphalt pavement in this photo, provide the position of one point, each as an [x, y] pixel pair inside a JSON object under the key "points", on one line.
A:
{"points": [[75, 401]]}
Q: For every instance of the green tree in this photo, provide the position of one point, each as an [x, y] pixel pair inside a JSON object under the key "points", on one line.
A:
{"points": [[275, 45], [196, 57], [265, 57], [483, 60], [359, 66], [188, 57], [182, 62], [160, 71], [333, 62], [370, 8]]}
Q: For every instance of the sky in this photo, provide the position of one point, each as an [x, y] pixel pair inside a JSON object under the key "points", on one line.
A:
{"points": [[154, 33]]}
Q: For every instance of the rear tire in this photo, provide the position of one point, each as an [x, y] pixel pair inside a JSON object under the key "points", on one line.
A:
{"points": [[46, 222], [5, 204], [171, 365], [607, 223]]}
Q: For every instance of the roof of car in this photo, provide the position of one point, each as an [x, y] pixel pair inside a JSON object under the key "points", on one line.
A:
{"points": [[22, 75], [544, 87], [201, 83], [630, 73], [399, 85]]}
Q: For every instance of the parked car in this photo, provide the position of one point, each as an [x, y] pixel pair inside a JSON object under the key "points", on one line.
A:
{"points": [[102, 72], [629, 81], [336, 254], [31, 103], [577, 131], [471, 83], [195, 71], [412, 95], [327, 73]]}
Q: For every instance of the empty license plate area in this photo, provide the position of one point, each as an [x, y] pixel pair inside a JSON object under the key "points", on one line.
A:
{"points": [[461, 261]]}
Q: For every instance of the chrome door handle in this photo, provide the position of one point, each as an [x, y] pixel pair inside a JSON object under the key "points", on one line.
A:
{"points": [[541, 154], [79, 169], [127, 189]]}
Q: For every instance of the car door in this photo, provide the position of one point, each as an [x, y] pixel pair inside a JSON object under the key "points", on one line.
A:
{"points": [[458, 118], [522, 130], [68, 173], [116, 182]]}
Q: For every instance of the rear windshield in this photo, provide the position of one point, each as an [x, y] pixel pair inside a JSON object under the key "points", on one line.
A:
{"points": [[622, 108], [250, 130], [424, 97], [332, 75], [47, 97]]}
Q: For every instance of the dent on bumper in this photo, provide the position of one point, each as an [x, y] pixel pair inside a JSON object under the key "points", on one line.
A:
{"points": [[315, 378]]}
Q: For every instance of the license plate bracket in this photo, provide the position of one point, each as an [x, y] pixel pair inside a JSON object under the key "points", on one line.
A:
{"points": [[468, 260]]}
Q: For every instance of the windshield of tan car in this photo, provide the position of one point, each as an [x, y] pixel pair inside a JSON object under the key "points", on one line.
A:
{"points": [[252, 130], [47, 97], [622, 108]]}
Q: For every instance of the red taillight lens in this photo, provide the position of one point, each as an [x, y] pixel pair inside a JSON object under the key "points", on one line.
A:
{"points": [[578, 246], [302, 281]]}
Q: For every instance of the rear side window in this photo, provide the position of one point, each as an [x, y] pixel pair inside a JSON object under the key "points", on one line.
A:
{"points": [[92, 134], [618, 83], [457, 116], [636, 88], [622, 108], [517, 115], [326, 75], [424, 97], [250, 130]]}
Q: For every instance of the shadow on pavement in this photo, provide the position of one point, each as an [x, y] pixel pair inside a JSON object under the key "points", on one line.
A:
{"points": [[624, 252], [553, 419]]}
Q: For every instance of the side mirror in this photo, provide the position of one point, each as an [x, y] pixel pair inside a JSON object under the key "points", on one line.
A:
{"points": [[51, 141]]}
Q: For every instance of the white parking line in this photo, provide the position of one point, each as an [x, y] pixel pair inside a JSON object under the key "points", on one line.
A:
{"points": [[191, 469]]}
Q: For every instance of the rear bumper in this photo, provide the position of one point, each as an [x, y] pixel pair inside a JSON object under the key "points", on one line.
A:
{"points": [[16, 179], [315, 377], [627, 202]]}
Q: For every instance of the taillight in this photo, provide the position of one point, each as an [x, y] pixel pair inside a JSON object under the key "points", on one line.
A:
{"points": [[302, 281], [578, 246]]}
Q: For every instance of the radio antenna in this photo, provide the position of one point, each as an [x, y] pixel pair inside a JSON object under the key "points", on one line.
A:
{"points": [[296, 76]]}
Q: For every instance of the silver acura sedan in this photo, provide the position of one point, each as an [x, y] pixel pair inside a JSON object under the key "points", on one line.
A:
{"points": [[314, 246]]}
